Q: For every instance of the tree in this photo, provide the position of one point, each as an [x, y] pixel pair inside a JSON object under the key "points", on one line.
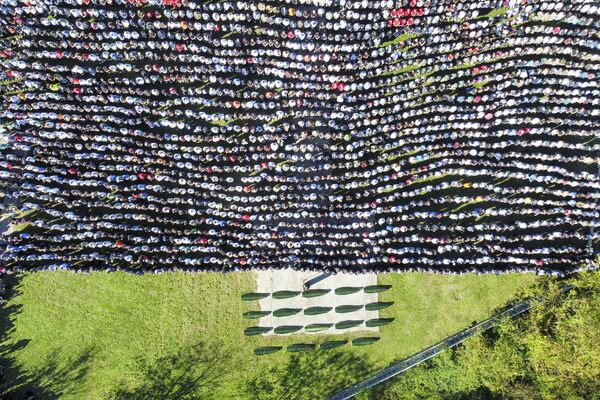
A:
{"points": [[552, 352]]}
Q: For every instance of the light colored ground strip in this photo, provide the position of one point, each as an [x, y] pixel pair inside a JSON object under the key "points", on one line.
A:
{"points": [[287, 279]]}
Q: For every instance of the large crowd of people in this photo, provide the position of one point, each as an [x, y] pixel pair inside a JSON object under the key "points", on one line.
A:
{"points": [[329, 135]]}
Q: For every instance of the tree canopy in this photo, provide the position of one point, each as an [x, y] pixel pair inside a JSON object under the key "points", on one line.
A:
{"points": [[552, 352]]}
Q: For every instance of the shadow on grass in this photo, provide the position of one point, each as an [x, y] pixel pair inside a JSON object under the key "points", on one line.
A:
{"points": [[310, 375], [191, 373], [54, 377]]}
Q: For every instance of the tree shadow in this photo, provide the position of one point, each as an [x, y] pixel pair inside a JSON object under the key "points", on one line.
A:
{"points": [[53, 378], [8, 313], [191, 373], [310, 375]]}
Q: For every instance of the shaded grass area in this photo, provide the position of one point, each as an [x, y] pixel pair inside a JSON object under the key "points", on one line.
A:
{"points": [[123, 321], [97, 336]]}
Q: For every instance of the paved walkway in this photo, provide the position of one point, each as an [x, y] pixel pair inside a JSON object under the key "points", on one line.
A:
{"points": [[287, 279]]}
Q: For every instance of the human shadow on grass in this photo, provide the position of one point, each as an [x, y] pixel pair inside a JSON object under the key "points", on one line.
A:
{"points": [[52, 378], [192, 372], [311, 375]]}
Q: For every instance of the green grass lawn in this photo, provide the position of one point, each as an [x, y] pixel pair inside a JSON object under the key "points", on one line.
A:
{"points": [[76, 336]]}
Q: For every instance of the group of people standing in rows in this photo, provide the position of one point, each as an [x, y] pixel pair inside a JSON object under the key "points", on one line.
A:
{"points": [[340, 136]]}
